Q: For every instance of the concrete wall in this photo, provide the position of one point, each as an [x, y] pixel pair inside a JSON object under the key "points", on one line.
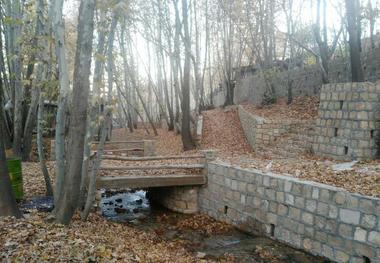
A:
{"points": [[348, 124], [321, 219]]}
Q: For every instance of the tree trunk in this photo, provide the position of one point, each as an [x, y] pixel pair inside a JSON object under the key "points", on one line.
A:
{"points": [[55, 15], [17, 75], [187, 140], [68, 202], [40, 146], [353, 27], [110, 66], [8, 206], [41, 43]]}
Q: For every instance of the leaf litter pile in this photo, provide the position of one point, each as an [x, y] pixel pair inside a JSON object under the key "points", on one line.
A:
{"points": [[302, 108], [35, 239]]}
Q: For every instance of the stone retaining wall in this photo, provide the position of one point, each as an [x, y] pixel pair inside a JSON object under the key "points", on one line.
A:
{"points": [[260, 131], [182, 199], [321, 219], [348, 124]]}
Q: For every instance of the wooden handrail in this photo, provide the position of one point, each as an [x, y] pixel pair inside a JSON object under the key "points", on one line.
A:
{"points": [[118, 142], [151, 158], [153, 167], [124, 150]]}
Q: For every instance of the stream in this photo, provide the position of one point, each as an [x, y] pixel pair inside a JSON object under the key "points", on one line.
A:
{"points": [[134, 208]]}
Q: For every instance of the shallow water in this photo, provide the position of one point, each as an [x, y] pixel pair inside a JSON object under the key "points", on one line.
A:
{"points": [[134, 208]]}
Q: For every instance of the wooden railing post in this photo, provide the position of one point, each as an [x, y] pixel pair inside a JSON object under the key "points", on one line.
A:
{"points": [[149, 148]]}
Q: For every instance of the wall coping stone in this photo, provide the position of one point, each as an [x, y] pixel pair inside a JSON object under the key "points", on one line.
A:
{"points": [[290, 178]]}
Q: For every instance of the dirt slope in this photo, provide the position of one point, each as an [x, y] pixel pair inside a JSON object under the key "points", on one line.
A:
{"points": [[222, 130]]}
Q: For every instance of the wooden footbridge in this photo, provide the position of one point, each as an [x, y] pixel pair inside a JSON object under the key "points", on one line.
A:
{"points": [[141, 172]]}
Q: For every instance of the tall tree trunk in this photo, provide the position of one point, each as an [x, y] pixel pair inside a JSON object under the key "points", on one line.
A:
{"points": [[55, 15], [81, 86], [17, 74], [38, 41], [187, 140], [40, 146], [8, 206], [110, 66], [353, 27]]}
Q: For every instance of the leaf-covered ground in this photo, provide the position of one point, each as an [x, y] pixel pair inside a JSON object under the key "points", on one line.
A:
{"points": [[302, 108], [36, 239]]}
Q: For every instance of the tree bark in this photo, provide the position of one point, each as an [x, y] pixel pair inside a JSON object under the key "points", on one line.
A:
{"points": [[187, 140], [35, 93], [353, 27], [68, 202], [8, 205], [55, 15], [40, 146]]}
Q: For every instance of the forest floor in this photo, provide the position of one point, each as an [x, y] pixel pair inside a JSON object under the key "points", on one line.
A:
{"points": [[36, 239]]}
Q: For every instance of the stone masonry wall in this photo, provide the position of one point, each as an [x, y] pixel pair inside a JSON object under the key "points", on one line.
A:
{"points": [[348, 124], [182, 199], [260, 131], [321, 219]]}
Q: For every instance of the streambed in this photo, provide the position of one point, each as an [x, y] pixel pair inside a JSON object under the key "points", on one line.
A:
{"points": [[134, 208]]}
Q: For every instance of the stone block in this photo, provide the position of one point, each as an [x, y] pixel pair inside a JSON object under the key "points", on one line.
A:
{"points": [[280, 197], [333, 211], [282, 210], [242, 186], [349, 216], [307, 218], [289, 199], [366, 205], [360, 234], [299, 202], [340, 198], [368, 221], [315, 194], [297, 188], [335, 241], [234, 185], [374, 238], [345, 231], [294, 213], [287, 186], [324, 195], [266, 181], [322, 209], [341, 257], [273, 207], [327, 251], [311, 205]]}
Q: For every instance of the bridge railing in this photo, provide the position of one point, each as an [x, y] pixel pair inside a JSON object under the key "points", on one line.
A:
{"points": [[131, 148]]}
